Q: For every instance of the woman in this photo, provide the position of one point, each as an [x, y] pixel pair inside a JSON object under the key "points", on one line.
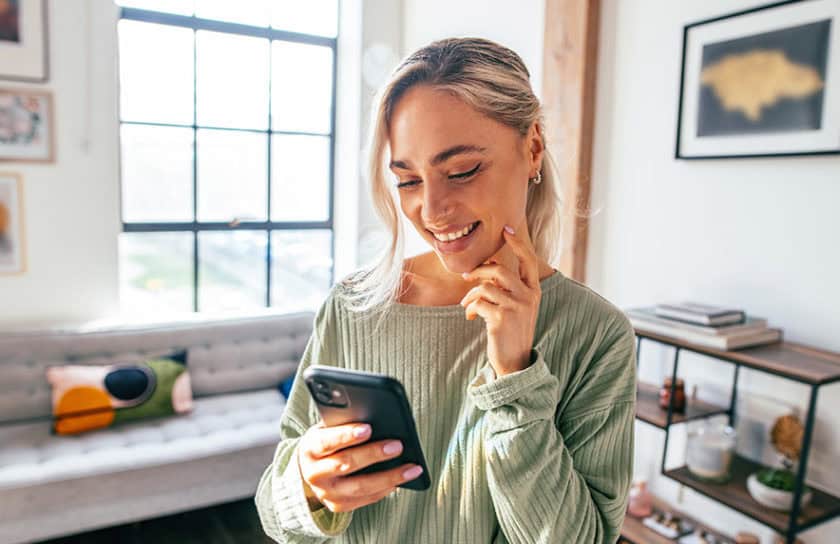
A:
{"points": [[526, 414]]}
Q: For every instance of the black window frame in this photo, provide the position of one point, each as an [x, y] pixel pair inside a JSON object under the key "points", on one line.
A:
{"points": [[268, 226]]}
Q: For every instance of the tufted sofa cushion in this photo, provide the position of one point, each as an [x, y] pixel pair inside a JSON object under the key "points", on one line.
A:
{"points": [[30, 455]]}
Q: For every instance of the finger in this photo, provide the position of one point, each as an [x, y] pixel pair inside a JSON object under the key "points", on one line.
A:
{"points": [[488, 292], [323, 441], [362, 485], [490, 312], [351, 459], [354, 504], [503, 276], [524, 251]]}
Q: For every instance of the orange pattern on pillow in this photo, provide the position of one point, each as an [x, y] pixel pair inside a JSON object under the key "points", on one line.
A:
{"points": [[76, 402]]}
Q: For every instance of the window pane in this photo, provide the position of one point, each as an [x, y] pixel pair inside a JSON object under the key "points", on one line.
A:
{"points": [[246, 12], [156, 173], [232, 270], [300, 170], [156, 73], [232, 84], [232, 175], [301, 87], [300, 268], [156, 272], [318, 17]]}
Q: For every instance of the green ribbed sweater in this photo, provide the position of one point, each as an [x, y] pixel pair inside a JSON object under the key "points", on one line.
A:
{"points": [[540, 455]]}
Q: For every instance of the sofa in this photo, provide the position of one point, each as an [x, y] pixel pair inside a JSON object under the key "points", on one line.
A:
{"points": [[53, 485]]}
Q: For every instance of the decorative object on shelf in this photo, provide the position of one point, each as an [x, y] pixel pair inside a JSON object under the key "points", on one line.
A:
{"points": [[773, 487], [640, 502], [710, 448], [668, 524], [746, 538], [23, 40], [679, 395], [727, 328], [12, 253], [761, 82], [26, 125], [700, 314], [702, 536]]}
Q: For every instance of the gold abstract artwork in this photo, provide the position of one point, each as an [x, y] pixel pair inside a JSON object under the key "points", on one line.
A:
{"points": [[751, 81]]}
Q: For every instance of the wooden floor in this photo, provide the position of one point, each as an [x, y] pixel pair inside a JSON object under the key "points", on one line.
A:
{"points": [[231, 523]]}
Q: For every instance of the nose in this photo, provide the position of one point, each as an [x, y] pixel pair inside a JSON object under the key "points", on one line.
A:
{"points": [[437, 203]]}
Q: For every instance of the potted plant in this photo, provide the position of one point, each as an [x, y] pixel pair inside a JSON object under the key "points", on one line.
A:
{"points": [[773, 487]]}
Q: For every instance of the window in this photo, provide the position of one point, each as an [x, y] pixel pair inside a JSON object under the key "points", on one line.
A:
{"points": [[227, 114]]}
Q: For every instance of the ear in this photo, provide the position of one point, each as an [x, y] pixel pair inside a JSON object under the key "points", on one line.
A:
{"points": [[536, 147]]}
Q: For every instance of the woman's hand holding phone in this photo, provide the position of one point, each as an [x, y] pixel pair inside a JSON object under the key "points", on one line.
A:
{"points": [[327, 457]]}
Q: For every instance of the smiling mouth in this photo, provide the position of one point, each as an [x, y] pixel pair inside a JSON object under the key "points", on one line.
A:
{"points": [[452, 236]]}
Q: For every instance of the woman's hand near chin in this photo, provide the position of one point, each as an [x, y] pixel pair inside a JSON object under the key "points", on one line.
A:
{"points": [[508, 299]]}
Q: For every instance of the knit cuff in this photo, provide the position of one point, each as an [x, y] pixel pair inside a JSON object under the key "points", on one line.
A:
{"points": [[489, 392], [290, 495]]}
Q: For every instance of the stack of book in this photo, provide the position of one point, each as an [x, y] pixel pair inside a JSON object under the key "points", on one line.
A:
{"points": [[713, 326]]}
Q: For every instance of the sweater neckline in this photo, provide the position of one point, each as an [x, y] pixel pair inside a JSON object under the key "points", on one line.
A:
{"points": [[546, 284]]}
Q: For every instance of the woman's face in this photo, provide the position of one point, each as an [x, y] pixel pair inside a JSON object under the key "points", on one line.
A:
{"points": [[458, 170]]}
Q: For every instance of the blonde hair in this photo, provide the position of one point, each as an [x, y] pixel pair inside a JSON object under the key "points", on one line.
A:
{"points": [[494, 81]]}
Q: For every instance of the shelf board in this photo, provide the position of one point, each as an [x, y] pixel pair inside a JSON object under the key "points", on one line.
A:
{"points": [[635, 532], [734, 494], [787, 359], [648, 410]]}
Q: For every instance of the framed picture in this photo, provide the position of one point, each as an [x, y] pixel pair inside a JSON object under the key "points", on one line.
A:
{"points": [[762, 82], [23, 40], [26, 125], [12, 251]]}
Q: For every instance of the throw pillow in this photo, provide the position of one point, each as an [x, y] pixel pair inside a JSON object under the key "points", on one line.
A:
{"points": [[87, 397]]}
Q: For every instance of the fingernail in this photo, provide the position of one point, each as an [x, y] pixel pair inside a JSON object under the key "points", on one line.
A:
{"points": [[392, 448], [465, 275], [361, 431], [509, 229], [413, 472]]}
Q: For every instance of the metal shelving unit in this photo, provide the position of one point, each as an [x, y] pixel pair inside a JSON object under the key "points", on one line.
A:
{"points": [[809, 366]]}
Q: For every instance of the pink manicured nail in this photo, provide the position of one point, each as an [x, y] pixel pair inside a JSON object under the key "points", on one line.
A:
{"points": [[413, 472], [359, 432], [509, 229], [392, 448]]}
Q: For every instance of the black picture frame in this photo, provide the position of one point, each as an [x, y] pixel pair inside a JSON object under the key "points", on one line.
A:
{"points": [[708, 130]]}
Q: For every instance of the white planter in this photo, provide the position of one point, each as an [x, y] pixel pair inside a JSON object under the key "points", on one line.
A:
{"points": [[774, 498]]}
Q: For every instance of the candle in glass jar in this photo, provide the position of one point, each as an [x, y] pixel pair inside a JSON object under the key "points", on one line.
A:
{"points": [[710, 450]]}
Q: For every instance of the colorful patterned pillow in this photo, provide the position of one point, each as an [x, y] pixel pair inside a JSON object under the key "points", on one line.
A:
{"points": [[87, 397]]}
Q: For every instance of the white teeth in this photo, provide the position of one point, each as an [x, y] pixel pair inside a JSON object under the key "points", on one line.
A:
{"points": [[453, 235]]}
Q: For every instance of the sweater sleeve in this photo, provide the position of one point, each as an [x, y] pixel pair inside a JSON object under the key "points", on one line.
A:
{"points": [[281, 500], [561, 478]]}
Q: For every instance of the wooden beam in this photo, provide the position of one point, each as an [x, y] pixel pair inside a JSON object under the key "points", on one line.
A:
{"points": [[570, 59]]}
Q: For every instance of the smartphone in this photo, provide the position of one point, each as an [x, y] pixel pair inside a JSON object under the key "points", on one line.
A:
{"points": [[353, 396]]}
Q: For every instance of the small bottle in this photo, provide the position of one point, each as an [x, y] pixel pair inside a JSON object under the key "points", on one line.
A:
{"points": [[679, 395], [640, 503]]}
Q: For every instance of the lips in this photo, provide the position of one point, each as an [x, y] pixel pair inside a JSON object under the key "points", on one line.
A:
{"points": [[452, 230], [459, 244]]}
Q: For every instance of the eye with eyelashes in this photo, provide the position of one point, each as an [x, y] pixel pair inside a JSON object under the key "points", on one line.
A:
{"points": [[455, 177]]}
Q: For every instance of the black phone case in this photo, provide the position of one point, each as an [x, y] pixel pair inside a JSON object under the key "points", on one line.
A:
{"points": [[379, 400]]}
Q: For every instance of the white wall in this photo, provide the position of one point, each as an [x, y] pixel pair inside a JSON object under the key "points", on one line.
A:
{"points": [[759, 233], [71, 209]]}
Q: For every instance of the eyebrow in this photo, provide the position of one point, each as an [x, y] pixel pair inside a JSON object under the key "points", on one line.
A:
{"points": [[444, 155]]}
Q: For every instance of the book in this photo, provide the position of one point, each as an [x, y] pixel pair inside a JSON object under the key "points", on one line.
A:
{"points": [[722, 342], [702, 314], [649, 314]]}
